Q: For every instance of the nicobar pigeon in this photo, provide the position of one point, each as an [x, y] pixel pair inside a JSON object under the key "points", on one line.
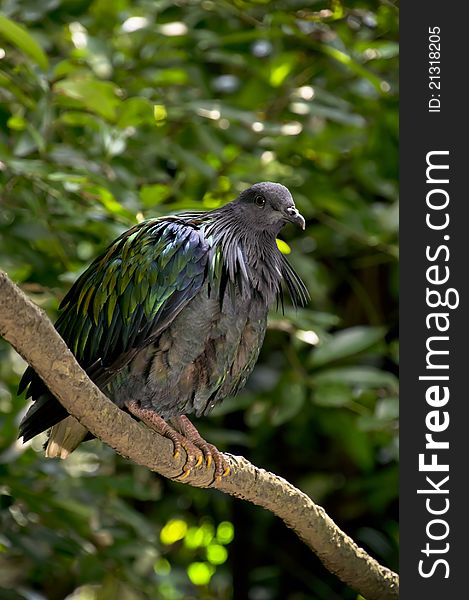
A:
{"points": [[170, 319]]}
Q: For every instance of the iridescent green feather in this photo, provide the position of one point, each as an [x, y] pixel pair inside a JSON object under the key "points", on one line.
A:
{"points": [[129, 293]]}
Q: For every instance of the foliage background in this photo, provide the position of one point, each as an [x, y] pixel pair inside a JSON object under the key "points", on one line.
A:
{"points": [[112, 111]]}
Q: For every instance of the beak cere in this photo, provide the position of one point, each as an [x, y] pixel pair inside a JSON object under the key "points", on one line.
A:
{"points": [[295, 217]]}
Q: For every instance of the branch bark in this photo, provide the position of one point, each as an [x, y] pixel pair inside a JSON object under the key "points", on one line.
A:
{"points": [[30, 332]]}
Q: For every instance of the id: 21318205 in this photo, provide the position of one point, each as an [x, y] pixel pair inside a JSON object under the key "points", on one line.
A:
{"points": [[434, 69]]}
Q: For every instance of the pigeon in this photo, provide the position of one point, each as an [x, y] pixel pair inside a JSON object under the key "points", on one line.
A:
{"points": [[169, 320]]}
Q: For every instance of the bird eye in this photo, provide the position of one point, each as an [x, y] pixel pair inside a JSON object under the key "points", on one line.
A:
{"points": [[260, 201]]}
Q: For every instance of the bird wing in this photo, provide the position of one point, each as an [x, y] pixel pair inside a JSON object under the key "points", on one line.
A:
{"points": [[122, 302]]}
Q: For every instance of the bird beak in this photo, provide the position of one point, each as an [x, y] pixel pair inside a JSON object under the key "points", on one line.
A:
{"points": [[293, 216]]}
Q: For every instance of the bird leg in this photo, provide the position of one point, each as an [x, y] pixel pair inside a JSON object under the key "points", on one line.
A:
{"points": [[194, 453], [210, 452]]}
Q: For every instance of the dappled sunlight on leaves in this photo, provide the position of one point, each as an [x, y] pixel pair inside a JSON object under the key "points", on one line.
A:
{"points": [[115, 111]]}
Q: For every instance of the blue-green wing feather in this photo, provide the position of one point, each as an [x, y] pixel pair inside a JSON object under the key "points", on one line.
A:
{"points": [[124, 300]]}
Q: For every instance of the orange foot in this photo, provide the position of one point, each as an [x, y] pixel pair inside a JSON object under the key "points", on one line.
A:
{"points": [[186, 436], [210, 452]]}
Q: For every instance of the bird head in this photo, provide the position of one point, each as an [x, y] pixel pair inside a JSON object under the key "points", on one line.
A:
{"points": [[268, 206]]}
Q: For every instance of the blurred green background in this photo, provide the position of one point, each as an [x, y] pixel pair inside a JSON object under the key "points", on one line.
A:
{"points": [[112, 111]]}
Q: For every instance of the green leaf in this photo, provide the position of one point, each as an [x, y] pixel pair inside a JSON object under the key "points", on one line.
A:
{"points": [[359, 376], [291, 400], [17, 122], [353, 65], [336, 114], [19, 37], [96, 96], [109, 202], [346, 343], [170, 77], [283, 246], [151, 195], [355, 443], [7, 83], [200, 573], [385, 415], [281, 67], [332, 394], [134, 112]]}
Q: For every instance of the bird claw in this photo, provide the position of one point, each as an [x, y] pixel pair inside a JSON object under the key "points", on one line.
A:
{"points": [[225, 473], [222, 468], [185, 474], [198, 453], [187, 437], [194, 459], [177, 450]]}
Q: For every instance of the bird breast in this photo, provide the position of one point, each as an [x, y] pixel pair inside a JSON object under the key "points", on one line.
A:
{"points": [[206, 354]]}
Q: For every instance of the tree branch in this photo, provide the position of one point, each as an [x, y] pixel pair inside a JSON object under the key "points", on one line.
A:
{"points": [[30, 332]]}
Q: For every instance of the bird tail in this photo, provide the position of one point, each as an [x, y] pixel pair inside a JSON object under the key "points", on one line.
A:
{"points": [[65, 437]]}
